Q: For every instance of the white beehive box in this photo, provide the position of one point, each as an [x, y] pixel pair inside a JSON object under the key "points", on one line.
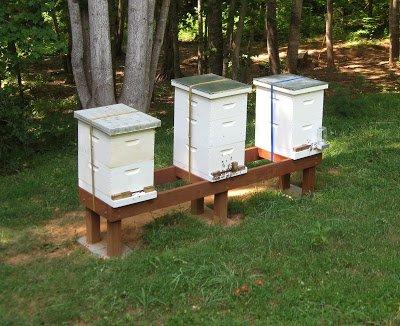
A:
{"points": [[218, 123], [297, 115], [121, 145]]}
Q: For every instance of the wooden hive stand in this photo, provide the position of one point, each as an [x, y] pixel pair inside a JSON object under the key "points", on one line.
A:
{"points": [[194, 192]]}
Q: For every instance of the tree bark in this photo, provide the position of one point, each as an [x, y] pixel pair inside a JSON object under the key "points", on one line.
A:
{"points": [[229, 36], [86, 46], [175, 39], [330, 62], [171, 64], [68, 67], [157, 46], [294, 36], [272, 37], [139, 47], [77, 54], [237, 42], [215, 37], [200, 38], [101, 58], [394, 32]]}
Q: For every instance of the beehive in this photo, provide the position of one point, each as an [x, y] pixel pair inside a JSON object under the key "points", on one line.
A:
{"points": [[218, 126], [119, 141], [297, 110]]}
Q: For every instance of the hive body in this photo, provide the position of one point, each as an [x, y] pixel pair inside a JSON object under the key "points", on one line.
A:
{"points": [[218, 126], [118, 142], [296, 117]]}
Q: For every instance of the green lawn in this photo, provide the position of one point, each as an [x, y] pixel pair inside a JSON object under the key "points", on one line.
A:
{"points": [[332, 258]]}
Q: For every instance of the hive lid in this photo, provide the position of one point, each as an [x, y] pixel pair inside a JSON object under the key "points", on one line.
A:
{"points": [[117, 119], [291, 84], [211, 86]]}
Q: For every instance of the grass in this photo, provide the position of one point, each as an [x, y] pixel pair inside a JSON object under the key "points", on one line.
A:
{"points": [[328, 259]]}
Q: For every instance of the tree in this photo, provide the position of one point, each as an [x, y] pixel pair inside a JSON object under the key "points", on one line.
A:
{"points": [[215, 36], [294, 36], [328, 36], [171, 64], [96, 86], [237, 42], [83, 85], [121, 17], [272, 37], [229, 35], [100, 50], [200, 38], [394, 32]]}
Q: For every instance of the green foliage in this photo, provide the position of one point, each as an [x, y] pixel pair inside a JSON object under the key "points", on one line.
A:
{"points": [[26, 34], [15, 120], [30, 126]]}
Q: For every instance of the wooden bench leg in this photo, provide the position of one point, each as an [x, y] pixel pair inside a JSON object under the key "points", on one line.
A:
{"points": [[92, 226], [221, 207], [197, 206], [284, 182], [114, 239], [308, 185]]}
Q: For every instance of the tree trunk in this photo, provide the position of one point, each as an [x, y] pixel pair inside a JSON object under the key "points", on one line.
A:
{"points": [[171, 64], [394, 32], [86, 46], [294, 36], [215, 37], [272, 37], [68, 67], [200, 38], [113, 18], [77, 54], [122, 10], [245, 76], [139, 47], [16, 67], [157, 46], [329, 37], [167, 67], [229, 36], [175, 39], [101, 59], [237, 42]]}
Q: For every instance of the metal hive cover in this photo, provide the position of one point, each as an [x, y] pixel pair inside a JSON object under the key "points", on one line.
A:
{"points": [[292, 84], [117, 119], [211, 85]]}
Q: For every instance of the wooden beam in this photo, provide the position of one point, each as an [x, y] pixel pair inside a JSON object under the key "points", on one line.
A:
{"points": [[200, 189], [221, 207], [262, 153], [309, 176], [165, 175], [184, 175], [92, 226], [284, 182], [251, 155], [114, 238], [197, 206]]}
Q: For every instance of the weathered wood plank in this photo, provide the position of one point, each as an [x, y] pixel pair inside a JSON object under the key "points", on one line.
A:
{"points": [[92, 220], [202, 189]]}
